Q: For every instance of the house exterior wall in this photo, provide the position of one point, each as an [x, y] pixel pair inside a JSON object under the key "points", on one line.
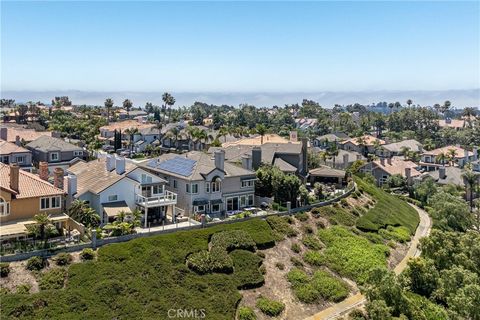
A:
{"points": [[12, 158], [379, 175], [25, 208]]}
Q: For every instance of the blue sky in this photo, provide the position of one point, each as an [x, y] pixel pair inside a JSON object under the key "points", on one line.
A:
{"points": [[240, 46]]}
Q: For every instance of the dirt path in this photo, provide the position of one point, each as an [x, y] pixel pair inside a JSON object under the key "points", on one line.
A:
{"points": [[358, 299]]}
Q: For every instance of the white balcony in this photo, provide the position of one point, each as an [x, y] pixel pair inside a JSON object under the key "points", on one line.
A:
{"points": [[158, 200]]}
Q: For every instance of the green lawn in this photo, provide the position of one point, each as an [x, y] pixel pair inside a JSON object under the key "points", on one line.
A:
{"points": [[388, 211], [144, 278]]}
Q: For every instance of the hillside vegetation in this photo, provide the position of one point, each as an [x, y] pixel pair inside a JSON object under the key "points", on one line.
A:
{"points": [[388, 211]]}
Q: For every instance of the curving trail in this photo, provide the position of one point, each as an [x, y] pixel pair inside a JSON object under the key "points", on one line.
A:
{"points": [[358, 299]]}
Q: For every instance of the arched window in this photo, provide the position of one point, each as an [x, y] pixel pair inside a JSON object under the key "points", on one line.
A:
{"points": [[216, 184], [4, 207]]}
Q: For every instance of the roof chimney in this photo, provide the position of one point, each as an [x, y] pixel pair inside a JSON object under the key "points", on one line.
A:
{"points": [[442, 172], [120, 165], [345, 160], [109, 162], [219, 159], [14, 173], [247, 162], [359, 157], [58, 178], [71, 184], [408, 175], [389, 161], [43, 170], [4, 133], [17, 141], [382, 161], [256, 157], [293, 136]]}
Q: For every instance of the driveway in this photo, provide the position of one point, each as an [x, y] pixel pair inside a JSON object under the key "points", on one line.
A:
{"points": [[358, 299]]}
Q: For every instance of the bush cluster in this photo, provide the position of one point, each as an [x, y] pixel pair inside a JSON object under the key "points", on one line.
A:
{"points": [[63, 259], [247, 272], [321, 285], [233, 239], [311, 242], [314, 258], [4, 269], [302, 216], [246, 313], [87, 254], [281, 227], [52, 279], [400, 234], [270, 307], [36, 263], [296, 247]]}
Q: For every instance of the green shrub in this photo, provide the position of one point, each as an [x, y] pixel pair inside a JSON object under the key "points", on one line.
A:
{"points": [[400, 234], [4, 291], [233, 239], [269, 307], [388, 210], [246, 313], [357, 314], [320, 224], [313, 258], [307, 229], [4, 269], [295, 247], [321, 285], [373, 237], [263, 269], [246, 269], [215, 260], [311, 242], [296, 262], [87, 254], [281, 226], [36, 263], [63, 259], [261, 254], [280, 266], [23, 288], [351, 255], [52, 279], [316, 212], [302, 216], [344, 202]]}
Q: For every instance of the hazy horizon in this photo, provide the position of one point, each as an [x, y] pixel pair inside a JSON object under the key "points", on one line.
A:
{"points": [[459, 98]]}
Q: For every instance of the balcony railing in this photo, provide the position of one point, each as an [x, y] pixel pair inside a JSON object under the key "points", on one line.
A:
{"points": [[167, 198]]}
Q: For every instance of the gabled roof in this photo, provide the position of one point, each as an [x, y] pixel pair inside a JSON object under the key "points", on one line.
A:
{"points": [[46, 144], [9, 148], [412, 144], [397, 166], [369, 140], [334, 136], [234, 153], [25, 134], [453, 175], [127, 124], [202, 165], [460, 152], [326, 171], [29, 184], [93, 176], [257, 141], [284, 166]]}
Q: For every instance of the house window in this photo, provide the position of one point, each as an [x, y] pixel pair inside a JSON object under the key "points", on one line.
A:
{"points": [[187, 187], [207, 187], [157, 189], [6, 159], [200, 208], [4, 207], [215, 208], [243, 201], [146, 178], [54, 156], [248, 183], [20, 159], [216, 185], [78, 153], [175, 184], [195, 188], [250, 200], [113, 197], [50, 203]]}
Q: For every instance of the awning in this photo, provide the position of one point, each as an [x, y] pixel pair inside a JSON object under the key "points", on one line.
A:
{"points": [[200, 202], [112, 209], [216, 201]]}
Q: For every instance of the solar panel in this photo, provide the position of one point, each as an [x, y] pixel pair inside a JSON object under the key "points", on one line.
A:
{"points": [[178, 165]]}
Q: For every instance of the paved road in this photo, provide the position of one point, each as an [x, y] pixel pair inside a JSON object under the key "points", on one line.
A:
{"points": [[358, 299]]}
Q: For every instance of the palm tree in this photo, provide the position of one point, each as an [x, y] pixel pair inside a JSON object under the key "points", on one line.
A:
{"points": [[131, 132], [168, 101], [361, 143], [223, 132], [174, 134], [441, 157], [43, 228], [409, 102], [452, 153], [405, 151], [127, 105], [108, 105], [428, 144], [470, 178], [445, 107], [261, 130], [81, 212]]}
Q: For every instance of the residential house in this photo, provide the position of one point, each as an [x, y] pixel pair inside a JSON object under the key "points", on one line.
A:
{"points": [[431, 160], [107, 132], [56, 152], [365, 144], [21, 135], [290, 157], [12, 153], [258, 140], [327, 175], [324, 141], [206, 183], [383, 168], [343, 159], [24, 195], [397, 148], [112, 185]]}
